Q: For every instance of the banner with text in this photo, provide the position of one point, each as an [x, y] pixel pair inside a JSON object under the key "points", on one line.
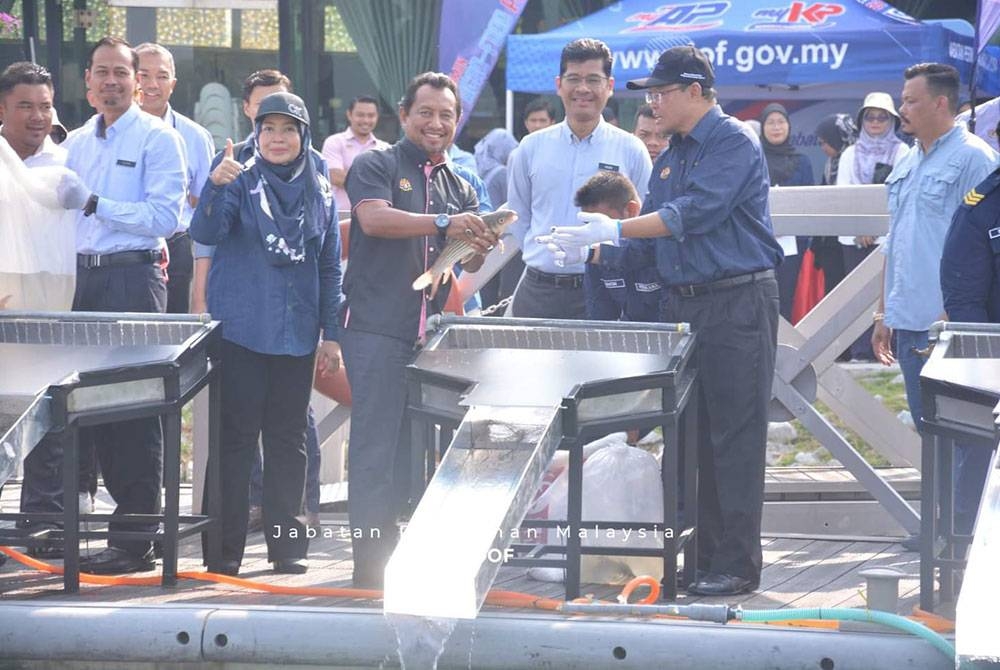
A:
{"points": [[472, 34]]}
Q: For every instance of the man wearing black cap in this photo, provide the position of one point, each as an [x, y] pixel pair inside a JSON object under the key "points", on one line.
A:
{"points": [[707, 216]]}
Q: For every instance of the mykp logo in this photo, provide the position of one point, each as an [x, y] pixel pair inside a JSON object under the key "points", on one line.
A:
{"points": [[796, 16], [686, 17]]}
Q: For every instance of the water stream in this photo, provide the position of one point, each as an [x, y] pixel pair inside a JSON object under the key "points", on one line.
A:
{"points": [[421, 639]]}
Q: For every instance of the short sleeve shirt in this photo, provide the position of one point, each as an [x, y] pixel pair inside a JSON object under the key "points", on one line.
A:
{"points": [[380, 271]]}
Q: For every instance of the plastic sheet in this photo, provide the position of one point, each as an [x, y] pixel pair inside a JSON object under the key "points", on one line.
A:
{"points": [[38, 248], [620, 483]]}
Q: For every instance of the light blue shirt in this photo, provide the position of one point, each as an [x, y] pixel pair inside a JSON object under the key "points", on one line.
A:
{"points": [[546, 171], [925, 189], [136, 168], [198, 151]]}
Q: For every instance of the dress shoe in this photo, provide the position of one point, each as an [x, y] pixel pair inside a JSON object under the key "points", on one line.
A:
{"points": [[715, 584], [313, 520], [48, 552], [115, 561], [291, 566], [230, 568], [911, 542], [698, 576]]}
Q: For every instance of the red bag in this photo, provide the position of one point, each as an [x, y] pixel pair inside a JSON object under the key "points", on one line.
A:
{"points": [[809, 288]]}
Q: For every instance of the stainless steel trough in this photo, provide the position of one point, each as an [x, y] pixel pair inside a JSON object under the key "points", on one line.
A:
{"points": [[59, 371], [513, 391]]}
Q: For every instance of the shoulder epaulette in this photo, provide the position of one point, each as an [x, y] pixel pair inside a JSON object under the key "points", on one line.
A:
{"points": [[987, 186]]}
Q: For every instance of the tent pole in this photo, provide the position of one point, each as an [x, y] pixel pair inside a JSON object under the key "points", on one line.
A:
{"points": [[509, 112]]}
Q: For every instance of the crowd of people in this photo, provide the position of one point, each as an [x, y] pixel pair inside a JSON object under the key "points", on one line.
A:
{"points": [[669, 222]]}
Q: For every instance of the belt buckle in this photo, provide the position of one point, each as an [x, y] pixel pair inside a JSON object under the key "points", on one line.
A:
{"points": [[93, 261], [687, 291]]}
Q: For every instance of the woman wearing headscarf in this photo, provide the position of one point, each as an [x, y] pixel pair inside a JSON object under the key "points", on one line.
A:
{"points": [[492, 153], [275, 286], [869, 161], [787, 167], [835, 133]]}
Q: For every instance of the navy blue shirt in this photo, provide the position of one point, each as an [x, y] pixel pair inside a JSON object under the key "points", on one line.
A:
{"points": [[970, 263], [625, 286], [710, 188], [268, 308]]}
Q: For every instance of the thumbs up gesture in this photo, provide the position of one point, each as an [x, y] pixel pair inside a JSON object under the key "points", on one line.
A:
{"points": [[228, 169]]}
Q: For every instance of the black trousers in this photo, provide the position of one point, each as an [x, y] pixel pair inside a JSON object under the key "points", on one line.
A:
{"points": [[379, 450], [264, 397], [42, 488], [736, 341], [179, 271], [130, 453]]}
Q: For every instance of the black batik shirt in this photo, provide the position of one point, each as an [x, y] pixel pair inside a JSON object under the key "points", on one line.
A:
{"points": [[380, 271]]}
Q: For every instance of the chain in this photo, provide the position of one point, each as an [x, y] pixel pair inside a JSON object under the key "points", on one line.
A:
{"points": [[497, 307]]}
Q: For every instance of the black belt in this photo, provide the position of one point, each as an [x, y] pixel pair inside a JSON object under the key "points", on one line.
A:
{"points": [[88, 261], [559, 281], [694, 290]]}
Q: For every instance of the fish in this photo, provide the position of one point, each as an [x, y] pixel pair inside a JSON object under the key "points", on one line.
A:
{"points": [[460, 251]]}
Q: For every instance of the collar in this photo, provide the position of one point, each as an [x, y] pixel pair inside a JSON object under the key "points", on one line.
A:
{"points": [[416, 155], [955, 131], [121, 125], [351, 136], [567, 133], [705, 124]]}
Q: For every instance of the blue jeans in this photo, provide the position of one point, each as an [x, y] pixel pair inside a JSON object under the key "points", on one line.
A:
{"points": [[313, 462], [970, 463]]}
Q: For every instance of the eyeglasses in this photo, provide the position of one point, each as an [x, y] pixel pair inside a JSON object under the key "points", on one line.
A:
{"points": [[590, 81], [873, 117], [656, 96]]}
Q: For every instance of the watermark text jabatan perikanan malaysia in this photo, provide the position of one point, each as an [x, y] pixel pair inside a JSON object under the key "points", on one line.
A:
{"points": [[558, 533]]}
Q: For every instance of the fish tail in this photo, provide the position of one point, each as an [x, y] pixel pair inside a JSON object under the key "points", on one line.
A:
{"points": [[423, 281]]}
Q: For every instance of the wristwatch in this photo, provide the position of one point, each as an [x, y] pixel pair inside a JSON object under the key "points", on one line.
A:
{"points": [[441, 221], [91, 206]]}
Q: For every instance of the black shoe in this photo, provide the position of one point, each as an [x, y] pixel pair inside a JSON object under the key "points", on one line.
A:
{"points": [[115, 561], [698, 576], [230, 568], [912, 542], [714, 584], [48, 552], [291, 566]]}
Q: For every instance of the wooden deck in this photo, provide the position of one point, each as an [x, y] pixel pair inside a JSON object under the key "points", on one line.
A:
{"points": [[798, 571]]}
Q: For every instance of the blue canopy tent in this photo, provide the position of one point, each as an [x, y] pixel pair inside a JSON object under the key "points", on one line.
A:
{"points": [[761, 49]]}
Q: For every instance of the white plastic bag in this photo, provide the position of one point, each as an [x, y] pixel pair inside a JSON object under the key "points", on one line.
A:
{"points": [[37, 238], [620, 483]]}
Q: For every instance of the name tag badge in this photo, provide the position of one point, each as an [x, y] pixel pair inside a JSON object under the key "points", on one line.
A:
{"points": [[613, 283], [125, 163], [608, 167], [647, 288], [994, 233]]}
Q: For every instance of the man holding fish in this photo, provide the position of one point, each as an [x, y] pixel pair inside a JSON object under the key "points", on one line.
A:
{"points": [[408, 206]]}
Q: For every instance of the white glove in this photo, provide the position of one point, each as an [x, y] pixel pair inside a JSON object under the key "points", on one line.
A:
{"points": [[563, 255], [595, 229], [71, 192]]}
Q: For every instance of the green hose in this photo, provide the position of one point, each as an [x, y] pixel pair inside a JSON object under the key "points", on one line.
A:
{"points": [[847, 614]]}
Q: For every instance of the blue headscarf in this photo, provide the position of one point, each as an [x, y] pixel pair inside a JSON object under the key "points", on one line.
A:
{"points": [[287, 208]]}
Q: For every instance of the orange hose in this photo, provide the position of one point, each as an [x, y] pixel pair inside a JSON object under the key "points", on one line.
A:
{"points": [[512, 599], [644, 580]]}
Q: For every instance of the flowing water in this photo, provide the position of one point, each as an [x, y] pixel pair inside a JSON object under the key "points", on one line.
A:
{"points": [[421, 639]]}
